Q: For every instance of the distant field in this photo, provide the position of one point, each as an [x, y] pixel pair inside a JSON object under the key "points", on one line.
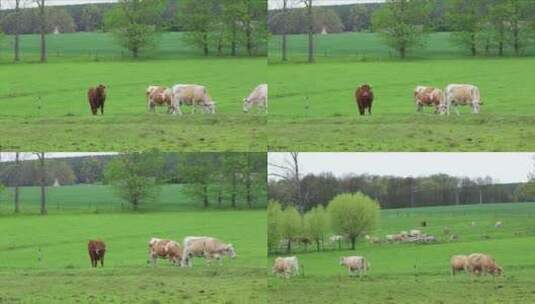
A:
{"points": [[44, 259], [409, 273], [366, 47], [101, 198], [94, 46], [313, 107], [44, 107]]}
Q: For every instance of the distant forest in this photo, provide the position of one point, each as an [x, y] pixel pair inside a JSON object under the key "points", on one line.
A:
{"points": [[397, 192]]}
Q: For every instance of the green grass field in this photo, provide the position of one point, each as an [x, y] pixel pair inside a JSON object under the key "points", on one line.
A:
{"points": [[61, 272], [410, 273], [44, 107], [102, 199], [313, 107]]}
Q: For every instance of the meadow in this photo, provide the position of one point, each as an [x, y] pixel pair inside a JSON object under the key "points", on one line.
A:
{"points": [[412, 273], [103, 199], [43, 259], [313, 108], [44, 106]]}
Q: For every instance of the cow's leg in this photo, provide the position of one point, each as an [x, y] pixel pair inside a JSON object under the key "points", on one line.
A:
{"points": [[370, 110], [102, 109], [102, 261], [457, 110], [475, 107]]}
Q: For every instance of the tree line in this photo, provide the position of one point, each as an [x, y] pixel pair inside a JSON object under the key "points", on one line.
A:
{"points": [[480, 27], [397, 192], [221, 27], [347, 215], [234, 180]]}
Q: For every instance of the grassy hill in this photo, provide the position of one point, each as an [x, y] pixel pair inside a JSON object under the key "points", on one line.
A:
{"points": [[44, 259], [367, 47], [411, 273], [94, 47], [101, 199]]}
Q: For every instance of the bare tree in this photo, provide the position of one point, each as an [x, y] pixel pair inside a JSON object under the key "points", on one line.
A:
{"points": [[285, 30], [289, 171], [42, 180], [310, 14], [42, 22], [17, 181], [17, 31]]}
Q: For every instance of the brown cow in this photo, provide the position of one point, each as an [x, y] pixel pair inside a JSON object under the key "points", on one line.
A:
{"points": [[159, 96], [427, 97], [364, 98], [97, 97], [96, 249]]}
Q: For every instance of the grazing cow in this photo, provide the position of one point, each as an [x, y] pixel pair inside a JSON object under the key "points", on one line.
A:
{"points": [[364, 98], [355, 264], [159, 96], [258, 98], [479, 263], [207, 247], [372, 239], [395, 237], [97, 97], [96, 250], [286, 267], [458, 263], [191, 95], [461, 95], [428, 97], [415, 233], [498, 224], [166, 249]]}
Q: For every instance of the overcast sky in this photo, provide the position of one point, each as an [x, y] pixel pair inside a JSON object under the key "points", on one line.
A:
{"points": [[10, 156], [277, 4], [504, 167], [6, 4]]}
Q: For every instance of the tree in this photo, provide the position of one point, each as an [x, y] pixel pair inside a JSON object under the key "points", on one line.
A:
{"points": [[285, 30], [498, 14], [274, 217], [291, 226], [401, 24], [316, 225], [42, 181], [467, 18], [353, 214], [360, 15], [135, 24], [310, 22], [197, 18], [135, 177], [516, 11], [42, 26], [16, 37], [289, 172], [253, 173], [198, 171], [90, 18]]}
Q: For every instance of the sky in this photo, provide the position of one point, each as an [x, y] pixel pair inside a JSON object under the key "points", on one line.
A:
{"points": [[7, 4], [277, 4], [10, 156], [503, 167]]}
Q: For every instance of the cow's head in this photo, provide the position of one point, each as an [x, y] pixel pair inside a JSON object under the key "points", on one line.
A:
{"points": [[101, 89], [230, 251], [246, 105], [209, 107], [342, 260]]}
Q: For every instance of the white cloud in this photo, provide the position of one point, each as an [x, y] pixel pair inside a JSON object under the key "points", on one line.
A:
{"points": [[277, 4], [9, 4]]}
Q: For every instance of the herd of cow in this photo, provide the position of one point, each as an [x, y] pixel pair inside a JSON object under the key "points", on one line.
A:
{"points": [[453, 96], [475, 264], [179, 254], [179, 95]]}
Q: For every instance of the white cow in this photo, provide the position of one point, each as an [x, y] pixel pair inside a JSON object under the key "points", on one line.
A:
{"points": [[191, 95], [207, 247], [355, 264], [258, 98], [461, 95], [286, 266]]}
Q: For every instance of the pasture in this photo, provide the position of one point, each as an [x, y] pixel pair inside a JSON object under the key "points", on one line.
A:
{"points": [[101, 198], [412, 273], [45, 107], [45, 260], [313, 107]]}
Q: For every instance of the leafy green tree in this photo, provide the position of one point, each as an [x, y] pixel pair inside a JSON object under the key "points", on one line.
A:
{"points": [[135, 24], [353, 214], [291, 226], [198, 19], [198, 172], [401, 23], [316, 225], [135, 177], [519, 15], [468, 18], [360, 17], [274, 218]]}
